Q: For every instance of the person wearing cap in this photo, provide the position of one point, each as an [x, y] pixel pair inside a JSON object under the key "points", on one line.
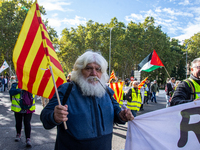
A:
{"points": [[90, 109], [154, 89], [126, 82]]}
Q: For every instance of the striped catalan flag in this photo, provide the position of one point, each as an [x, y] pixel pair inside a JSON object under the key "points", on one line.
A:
{"points": [[142, 83], [117, 87], [112, 76], [32, 56]]}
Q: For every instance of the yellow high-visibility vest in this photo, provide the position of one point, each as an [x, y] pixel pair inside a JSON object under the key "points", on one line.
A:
{"points": [[145, 92], [135, 104], [15, 103], [121, 100], [196, 87]]}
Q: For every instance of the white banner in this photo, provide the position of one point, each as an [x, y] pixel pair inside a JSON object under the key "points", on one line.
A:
{"points": [[172, 128], [4, 66]]}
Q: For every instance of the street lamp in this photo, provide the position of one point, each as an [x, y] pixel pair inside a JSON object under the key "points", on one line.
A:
{"points": [[186, 62], [110, 52], [186, 59]]}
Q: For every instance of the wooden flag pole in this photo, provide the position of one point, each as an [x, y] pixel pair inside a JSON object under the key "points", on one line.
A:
{"points": [[56, 90], [167, 72]]}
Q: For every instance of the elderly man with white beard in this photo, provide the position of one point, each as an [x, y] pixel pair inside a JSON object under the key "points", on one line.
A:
{"points": [[90, 109]]}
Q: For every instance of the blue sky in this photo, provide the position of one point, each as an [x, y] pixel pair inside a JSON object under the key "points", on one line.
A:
{"points": [[179, 19]]}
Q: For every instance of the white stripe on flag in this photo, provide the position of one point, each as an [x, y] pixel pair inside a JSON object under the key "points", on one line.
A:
{"points": [[146, 66]]}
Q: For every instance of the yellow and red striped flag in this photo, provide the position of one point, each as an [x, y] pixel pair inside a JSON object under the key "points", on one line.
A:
{"points": [[117, 87], [33, 54], [112, 76], [142, 83]]}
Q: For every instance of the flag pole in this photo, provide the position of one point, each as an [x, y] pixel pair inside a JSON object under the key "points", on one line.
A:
{"points": [[167, 72], [56, 90]]}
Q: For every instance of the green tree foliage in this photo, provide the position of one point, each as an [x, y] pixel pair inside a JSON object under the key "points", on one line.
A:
{"points": [[129, 46], [11, 19], [178, 69], [193, 47], [12, 15]]}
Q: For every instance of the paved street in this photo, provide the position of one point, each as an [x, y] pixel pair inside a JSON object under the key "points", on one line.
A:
{"points": [[119, 132], [45, 139]]}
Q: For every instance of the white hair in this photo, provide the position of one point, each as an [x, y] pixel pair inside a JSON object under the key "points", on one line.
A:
{"points": [[88, 89], [134, 82], [86, 58], [194, 62]]}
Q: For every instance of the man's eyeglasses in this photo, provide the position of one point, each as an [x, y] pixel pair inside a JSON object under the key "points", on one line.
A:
{"points": [[90, 69], [198, 67]]}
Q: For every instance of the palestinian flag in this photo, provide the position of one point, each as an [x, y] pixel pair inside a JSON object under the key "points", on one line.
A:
{"points": [[150, 63]]}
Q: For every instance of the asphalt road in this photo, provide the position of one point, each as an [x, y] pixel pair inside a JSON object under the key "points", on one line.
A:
{"points": [[45, 139]]}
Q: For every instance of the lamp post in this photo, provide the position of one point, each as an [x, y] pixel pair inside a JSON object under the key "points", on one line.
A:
{"points": [[186, 63], [186, 59], [110, 52], [110, 48]]}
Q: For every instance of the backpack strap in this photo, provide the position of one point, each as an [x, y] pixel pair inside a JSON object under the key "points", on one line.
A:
{"points": [[191, 85], [67, 93], [107, 90]]}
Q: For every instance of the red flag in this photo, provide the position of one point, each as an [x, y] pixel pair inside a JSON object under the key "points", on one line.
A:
{"points": [[117, 88], [155, 60], [142, 83], [32, 55]]}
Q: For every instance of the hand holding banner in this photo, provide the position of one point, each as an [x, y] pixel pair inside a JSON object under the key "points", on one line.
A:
{"points": [[171, 128]]}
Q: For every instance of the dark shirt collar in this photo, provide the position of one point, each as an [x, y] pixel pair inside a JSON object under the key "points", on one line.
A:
{"points": [[195, 79]]}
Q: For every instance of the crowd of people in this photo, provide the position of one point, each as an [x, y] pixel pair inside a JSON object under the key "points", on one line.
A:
{"points": [[6, 82], [88, 106]]}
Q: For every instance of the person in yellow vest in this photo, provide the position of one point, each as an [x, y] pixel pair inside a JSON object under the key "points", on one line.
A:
{"points": [[23, 105], [146, 93], [189, 89], [121, 102], [134, 98]]}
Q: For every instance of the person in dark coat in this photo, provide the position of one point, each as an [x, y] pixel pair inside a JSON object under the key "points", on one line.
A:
{"points": [[90, 109], [188, 90]]}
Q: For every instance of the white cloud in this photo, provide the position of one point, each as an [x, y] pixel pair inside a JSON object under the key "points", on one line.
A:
{"points": [[54, 15], [169, 19], [177, 13], [134, 17], [55, 5], [158, 9], [76, 21], [195, 10], [185, 2], [139, 17], [53, 22], [172, 30], [189, 31], [150, 13]]}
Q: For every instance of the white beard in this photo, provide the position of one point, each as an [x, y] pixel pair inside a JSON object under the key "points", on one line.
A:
{"points": [[90, 89]]}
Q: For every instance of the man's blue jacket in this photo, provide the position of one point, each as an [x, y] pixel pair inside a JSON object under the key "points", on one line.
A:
{"points": [[90, 120]]}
